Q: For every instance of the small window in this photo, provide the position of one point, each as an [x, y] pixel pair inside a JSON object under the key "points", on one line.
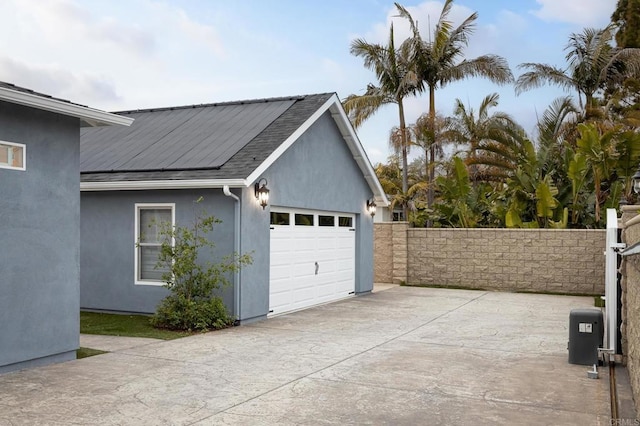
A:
{"points": [[12, 155], [304, 219], [326, 220], [150, 218], [278, 218], [345, 221]]}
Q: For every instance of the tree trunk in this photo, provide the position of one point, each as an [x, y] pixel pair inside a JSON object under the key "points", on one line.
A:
{"points": [[432, 148], [598, 193], [405, 166]]}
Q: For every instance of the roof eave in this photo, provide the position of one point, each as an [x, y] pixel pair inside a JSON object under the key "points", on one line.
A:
{"points": [[145, 185], [351, 138], [358, 152], [88, 116]]}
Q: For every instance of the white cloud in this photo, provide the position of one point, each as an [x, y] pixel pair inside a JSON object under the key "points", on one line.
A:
{"points": [[61, 82], [200, 33], [425, 14], [580, 12], [67, 22]]}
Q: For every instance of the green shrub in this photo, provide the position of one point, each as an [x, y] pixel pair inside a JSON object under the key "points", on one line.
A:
{"points": [[176, 312], [192, 304]]}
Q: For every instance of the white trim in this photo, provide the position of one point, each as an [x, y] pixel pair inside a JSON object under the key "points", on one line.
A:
{"points": [[24, 156], [291, 233], [289, 141], [350, 137], [358, 152], [316, 220], [90, 116], [142, 185], [337, 113], [138, 207]]}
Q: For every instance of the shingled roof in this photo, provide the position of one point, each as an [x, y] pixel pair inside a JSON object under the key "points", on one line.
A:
{"points": [[210, 141], [208, 146]]}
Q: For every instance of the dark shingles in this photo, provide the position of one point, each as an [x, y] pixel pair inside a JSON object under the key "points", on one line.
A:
{"points": [[242, 161]]}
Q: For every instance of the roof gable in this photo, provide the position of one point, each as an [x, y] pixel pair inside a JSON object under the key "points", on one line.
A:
{"points": [[272, 126]]}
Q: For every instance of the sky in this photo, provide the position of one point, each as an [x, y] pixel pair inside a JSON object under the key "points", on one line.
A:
{"points": [[130, 54]]}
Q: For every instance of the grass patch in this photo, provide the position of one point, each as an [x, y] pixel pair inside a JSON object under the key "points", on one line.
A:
{"points": [[87, 352], [124, 325]]}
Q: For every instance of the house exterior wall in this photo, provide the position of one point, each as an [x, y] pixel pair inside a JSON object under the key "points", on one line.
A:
{"points": [[317, 172], [541, 260], [108, 244], [39, 240]]}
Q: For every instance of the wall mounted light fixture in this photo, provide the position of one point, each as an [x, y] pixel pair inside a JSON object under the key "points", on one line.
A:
{"points": [[262, 193], [371, 207]]}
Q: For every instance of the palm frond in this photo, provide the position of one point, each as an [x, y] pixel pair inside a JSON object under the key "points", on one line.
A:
{"points": [[492, 67], [541, 74], [359, 108]]}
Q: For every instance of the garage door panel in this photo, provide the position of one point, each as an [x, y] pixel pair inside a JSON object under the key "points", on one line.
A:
{"points": [[280, 272], [294, 281]]}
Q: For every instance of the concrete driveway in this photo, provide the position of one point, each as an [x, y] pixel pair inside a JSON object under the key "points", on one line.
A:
{"points": [[403, 356]]}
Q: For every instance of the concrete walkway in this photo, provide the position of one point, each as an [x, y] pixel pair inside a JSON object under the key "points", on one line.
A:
{"points": [[403, 356]]}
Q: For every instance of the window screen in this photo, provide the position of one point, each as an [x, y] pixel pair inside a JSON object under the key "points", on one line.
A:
{"points": [[150, 222]]}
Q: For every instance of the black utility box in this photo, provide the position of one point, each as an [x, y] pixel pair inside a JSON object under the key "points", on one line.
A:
{"points": [[586, 333]]}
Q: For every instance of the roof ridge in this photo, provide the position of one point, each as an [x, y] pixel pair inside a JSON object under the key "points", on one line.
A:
{"points": [[225, 103]]}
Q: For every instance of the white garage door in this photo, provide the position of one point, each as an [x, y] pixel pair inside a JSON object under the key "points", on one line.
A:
{"points": [[312, 258]]}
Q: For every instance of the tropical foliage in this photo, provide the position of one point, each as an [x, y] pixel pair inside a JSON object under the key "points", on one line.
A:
{"points": [[478, 167], [391, 68]]}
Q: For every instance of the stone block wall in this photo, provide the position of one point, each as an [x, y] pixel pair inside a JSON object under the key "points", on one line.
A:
{"points": [[390, 252], [543, 260], [383, 252], [630, 269]]}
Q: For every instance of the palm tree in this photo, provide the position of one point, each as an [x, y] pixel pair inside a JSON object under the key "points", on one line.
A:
{"points": [[431, 139], [559, 122], [593, 63], [482, 129], [437, 61], [599, 149], [391, 67]]}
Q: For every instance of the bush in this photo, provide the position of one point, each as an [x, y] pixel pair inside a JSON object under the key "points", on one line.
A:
{"points": [[192, 304], [176, 312]]}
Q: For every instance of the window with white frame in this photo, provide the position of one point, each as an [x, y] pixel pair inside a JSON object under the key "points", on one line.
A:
{"points": [[150, 218], [12, 155]]}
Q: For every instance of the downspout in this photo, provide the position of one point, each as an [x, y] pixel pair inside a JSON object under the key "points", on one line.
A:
{"points": [[236, 248]]}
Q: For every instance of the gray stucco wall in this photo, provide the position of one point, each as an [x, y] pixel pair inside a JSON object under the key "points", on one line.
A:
{"points": [[39, 240], [108, 244], [317, 172]]}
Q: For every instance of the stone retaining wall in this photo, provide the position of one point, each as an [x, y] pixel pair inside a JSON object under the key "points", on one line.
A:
{"points": [[541, 260], [630, 269]]}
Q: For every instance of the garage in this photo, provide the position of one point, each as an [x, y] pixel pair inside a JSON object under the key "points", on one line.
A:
{"points": [[312, 258], [311, 239]]}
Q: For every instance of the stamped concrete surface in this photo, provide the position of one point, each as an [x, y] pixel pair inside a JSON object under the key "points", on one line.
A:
{"points": [[402, 356], [113, 343]]}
